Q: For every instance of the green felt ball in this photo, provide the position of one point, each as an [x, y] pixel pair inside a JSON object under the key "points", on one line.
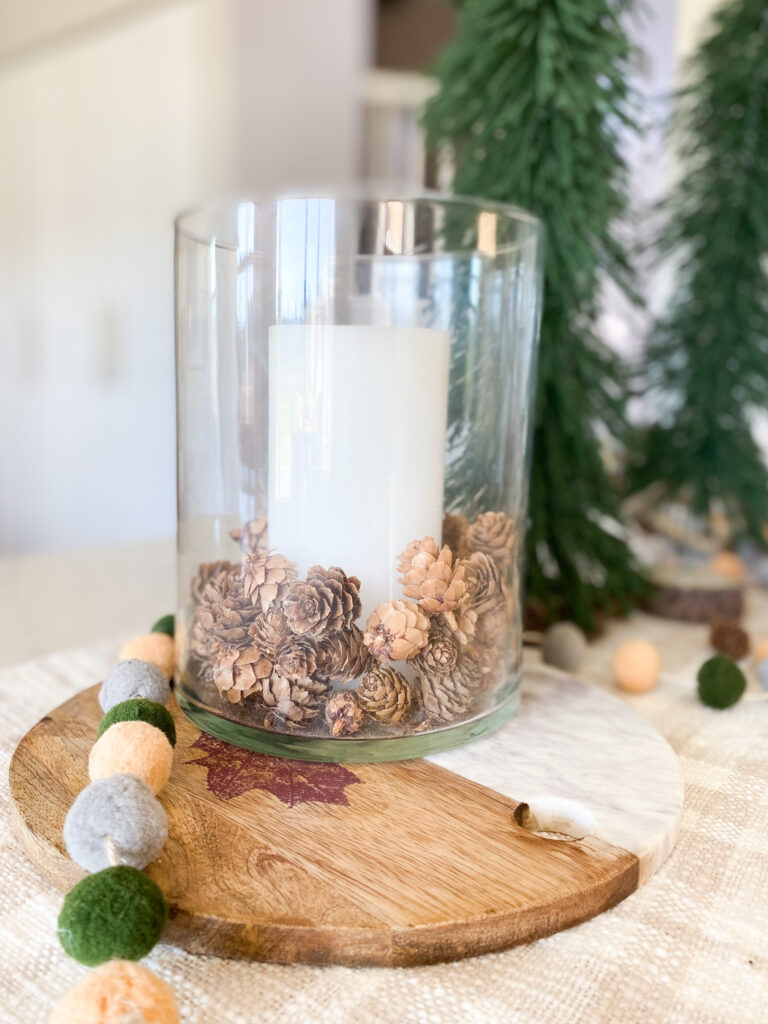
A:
{"points": [[140, 710], [166, 624], [116, 914], [721, 682]]}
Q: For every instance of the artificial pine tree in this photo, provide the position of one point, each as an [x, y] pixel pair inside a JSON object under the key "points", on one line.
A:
{"points": [[710, 352], [533, 93]]}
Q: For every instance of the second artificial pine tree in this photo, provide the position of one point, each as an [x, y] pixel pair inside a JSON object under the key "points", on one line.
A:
{"points": [[710, 352], [532, 95]]}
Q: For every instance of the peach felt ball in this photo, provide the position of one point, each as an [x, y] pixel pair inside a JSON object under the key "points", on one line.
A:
{"points": [[636, 666], [132, 748], [156, 648], [760, 653], [115, 992], [726, 563]]}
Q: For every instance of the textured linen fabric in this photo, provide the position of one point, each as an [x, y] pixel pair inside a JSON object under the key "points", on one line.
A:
{"points": [[691, 946]]}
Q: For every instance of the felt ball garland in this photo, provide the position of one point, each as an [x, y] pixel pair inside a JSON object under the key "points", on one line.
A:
{"points": [[141, 711], [115, 827], [166, 624], [134, 679], [116, 992], [133, 748], [116, 914], [116, 820], [156, 648]]}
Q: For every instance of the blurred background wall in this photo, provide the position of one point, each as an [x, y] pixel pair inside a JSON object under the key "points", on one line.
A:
{"points": [[116, 115]]}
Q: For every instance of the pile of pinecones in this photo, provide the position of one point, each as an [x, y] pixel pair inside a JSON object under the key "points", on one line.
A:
{"points": [[292, 646]]}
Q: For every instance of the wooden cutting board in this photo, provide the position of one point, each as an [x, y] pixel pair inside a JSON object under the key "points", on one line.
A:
{"points": [[393, 864]]}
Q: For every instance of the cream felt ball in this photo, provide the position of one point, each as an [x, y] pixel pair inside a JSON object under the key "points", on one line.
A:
{"points": [[134, 679], [117, 992], [154, 647], [132, 748], [636, 666], [115, 820]]}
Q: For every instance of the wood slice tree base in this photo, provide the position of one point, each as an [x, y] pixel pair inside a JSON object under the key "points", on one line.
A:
{"points": [[391, 864]]}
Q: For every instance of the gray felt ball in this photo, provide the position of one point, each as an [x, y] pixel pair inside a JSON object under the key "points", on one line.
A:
{"points": [[131, 679], [762, 673], [564, 646], [116, 820]]}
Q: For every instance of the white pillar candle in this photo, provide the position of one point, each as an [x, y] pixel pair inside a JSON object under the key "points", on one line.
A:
{"points": [[357, 421]]}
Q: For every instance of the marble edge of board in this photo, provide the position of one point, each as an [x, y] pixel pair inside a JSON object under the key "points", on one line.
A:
{"points": [[631, 789]]}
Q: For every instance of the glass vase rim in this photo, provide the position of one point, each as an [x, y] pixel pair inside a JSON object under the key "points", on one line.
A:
{"points": [[186, 223]]}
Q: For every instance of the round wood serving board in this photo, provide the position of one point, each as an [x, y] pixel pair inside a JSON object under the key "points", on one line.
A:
{"points": [[392, 864]]}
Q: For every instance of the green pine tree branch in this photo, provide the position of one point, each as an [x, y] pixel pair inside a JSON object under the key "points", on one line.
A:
{"points": [[533, 95], [709, 354]]}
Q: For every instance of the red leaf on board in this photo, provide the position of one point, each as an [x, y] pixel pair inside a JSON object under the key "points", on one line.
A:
{"points": [[233, 771]]}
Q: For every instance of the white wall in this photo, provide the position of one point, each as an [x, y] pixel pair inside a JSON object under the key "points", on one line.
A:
{"points": [[103, 139]]}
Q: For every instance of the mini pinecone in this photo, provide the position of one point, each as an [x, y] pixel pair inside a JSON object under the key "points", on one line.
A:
{"points": [[291, 703], [462, 623], [270, 629], [343, 713], [252, 537], [222, 617], [209, 581], [267, 578], [385, 694], [396, 630], [447, 697], [455, 533], [493, 626], [326, 601], [440, 654], [342, 656], [296, 659], [488, 660], [494, 534], [485, 583], [239, 673], [428, 575]]}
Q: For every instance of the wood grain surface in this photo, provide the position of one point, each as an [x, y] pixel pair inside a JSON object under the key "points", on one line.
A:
{"points": [[288, 861]]}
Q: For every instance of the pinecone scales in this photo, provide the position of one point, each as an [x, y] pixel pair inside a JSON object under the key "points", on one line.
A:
{"points": [[385, 695], [494, 534], [267, 578], [289, 702], [342, 656], [328, 600], [447, 697]]}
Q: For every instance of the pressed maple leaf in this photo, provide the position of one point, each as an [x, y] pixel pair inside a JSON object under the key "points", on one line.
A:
{"points": [[233, 771]]}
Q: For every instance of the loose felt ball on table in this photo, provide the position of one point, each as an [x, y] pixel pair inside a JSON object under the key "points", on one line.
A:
{"points": [[761, 650], [141, 711], [721, 682], [762, 673], [132, 748], [564, 646], [636, 666], [154, 647], [115, 993], [166, 624], [726, 563], [727, 637], [131, 679], [116, 914], [115, 820]]}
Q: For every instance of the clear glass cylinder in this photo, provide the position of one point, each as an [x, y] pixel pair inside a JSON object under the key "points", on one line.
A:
{"points": [[354, 382]]}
